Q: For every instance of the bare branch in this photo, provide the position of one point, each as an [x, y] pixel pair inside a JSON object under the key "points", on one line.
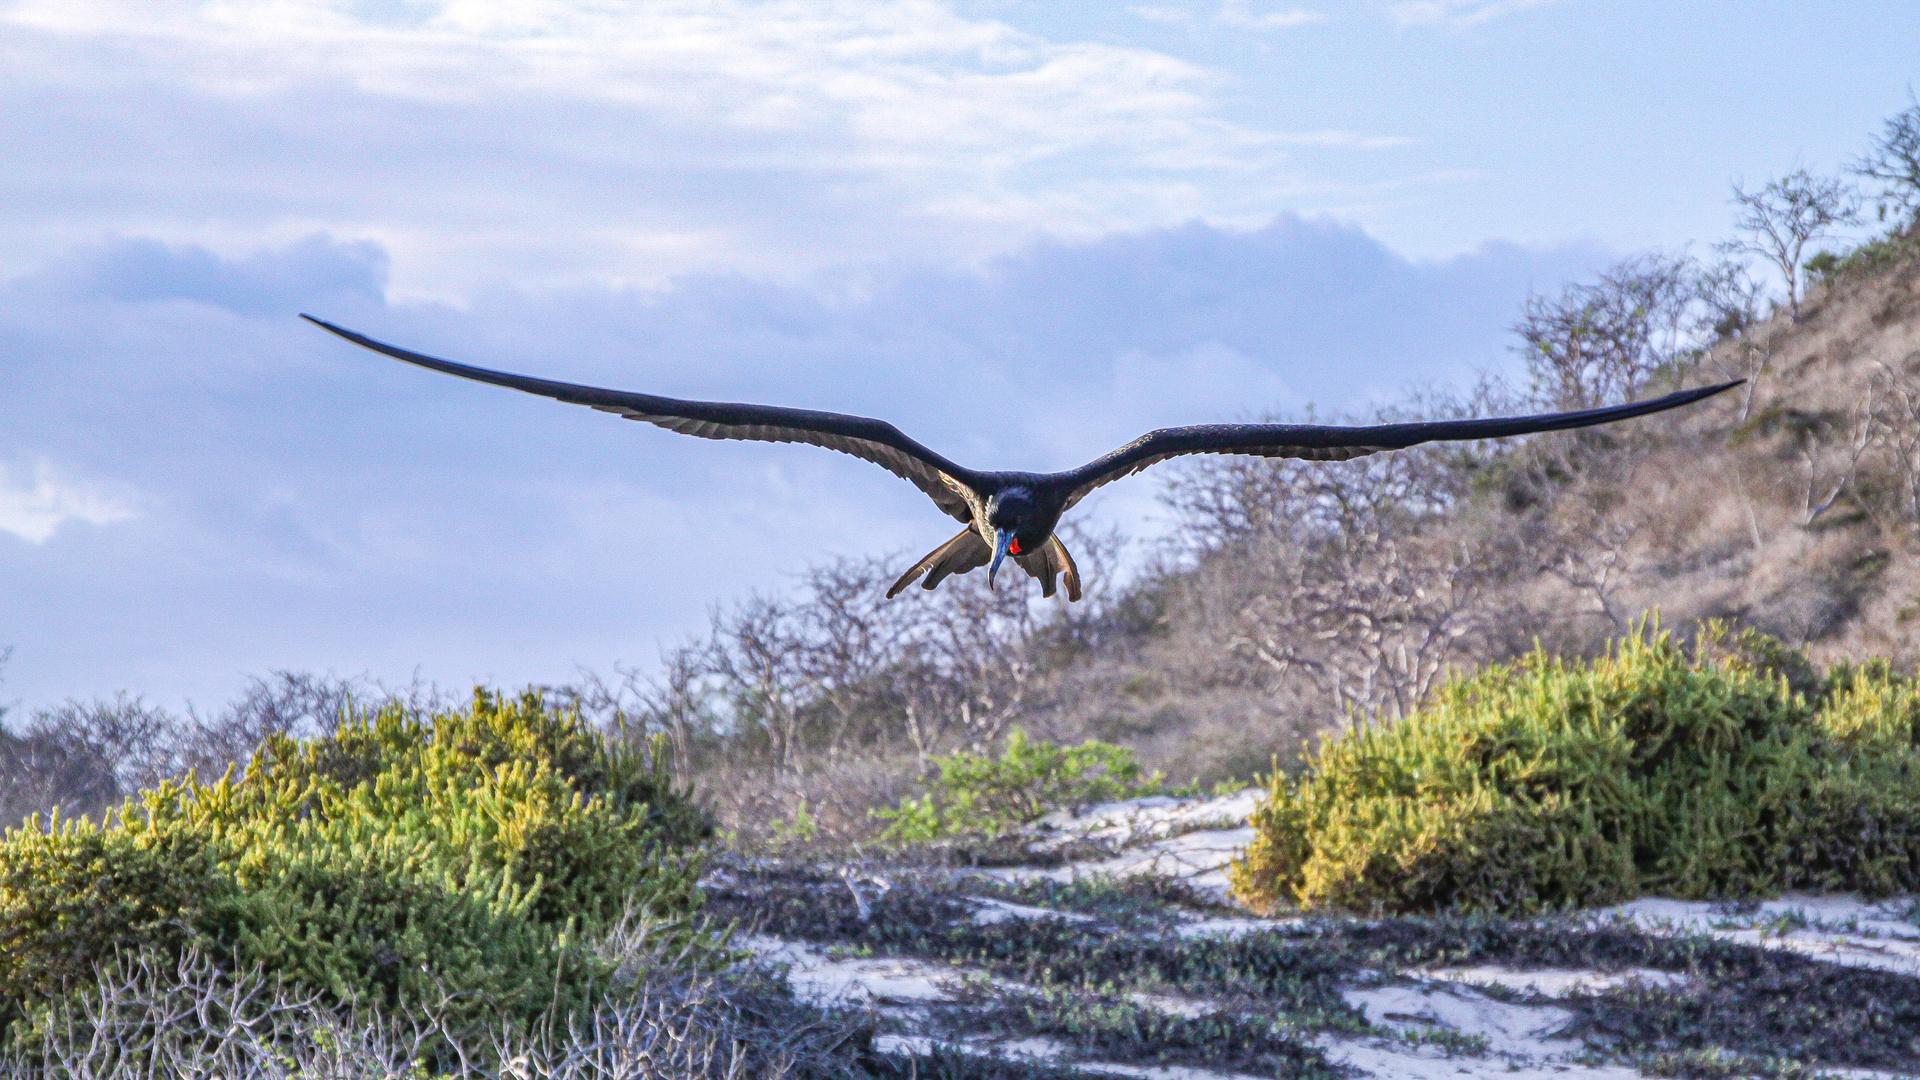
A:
{"points": [[1786, 215]]}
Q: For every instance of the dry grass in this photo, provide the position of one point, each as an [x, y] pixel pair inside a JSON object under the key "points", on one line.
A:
{"points": [[193, 1018]]}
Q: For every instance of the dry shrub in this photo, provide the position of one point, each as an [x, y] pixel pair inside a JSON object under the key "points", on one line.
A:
{"points": [[143, 1015], [819, 804]]}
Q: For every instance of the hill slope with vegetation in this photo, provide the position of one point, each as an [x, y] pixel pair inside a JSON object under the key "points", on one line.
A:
{"points": [[1295, 595], [329, 878]]}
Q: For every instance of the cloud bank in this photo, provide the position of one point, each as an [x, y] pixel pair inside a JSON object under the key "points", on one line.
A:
{"points": [[199, 486], [556, 143]]}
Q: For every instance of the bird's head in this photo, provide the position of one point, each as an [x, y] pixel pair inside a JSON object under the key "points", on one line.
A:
{"points": [[1020, 525]]}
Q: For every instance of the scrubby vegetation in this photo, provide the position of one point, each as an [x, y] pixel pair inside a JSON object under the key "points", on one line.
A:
{"points": [[988, 796], [465, 862], [1548, 784], [391, 884], [1102, 986], [1296, 594]]}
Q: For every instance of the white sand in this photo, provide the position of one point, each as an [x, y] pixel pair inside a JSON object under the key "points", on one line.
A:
{"points": [[1553, 982], [1838, 929], [1195, 840]]}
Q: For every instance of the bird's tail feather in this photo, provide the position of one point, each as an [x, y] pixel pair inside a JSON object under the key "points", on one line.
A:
{"points": [[964, 552], [1051, 560], [1067, 566], [967, 551]]}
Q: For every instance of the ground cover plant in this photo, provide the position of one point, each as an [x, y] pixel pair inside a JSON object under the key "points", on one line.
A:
{"points": [[1551, 784], [466, 860], [1106, 1023], [988, 795], [1093, 984]]}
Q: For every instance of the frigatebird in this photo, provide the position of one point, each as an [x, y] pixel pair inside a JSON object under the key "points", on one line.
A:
{"points": [[1014, 513]]}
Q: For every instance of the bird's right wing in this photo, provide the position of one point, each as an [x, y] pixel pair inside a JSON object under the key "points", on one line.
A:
{"points": [[870, 440], [1322, 443]]}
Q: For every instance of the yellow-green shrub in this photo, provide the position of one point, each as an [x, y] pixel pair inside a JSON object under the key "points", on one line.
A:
{"points": [[981, 795], [1860, 828], [400, 860], [1545, 784]]}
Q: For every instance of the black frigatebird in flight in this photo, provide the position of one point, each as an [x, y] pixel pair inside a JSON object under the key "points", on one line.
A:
{"points": [[1014, 513]]}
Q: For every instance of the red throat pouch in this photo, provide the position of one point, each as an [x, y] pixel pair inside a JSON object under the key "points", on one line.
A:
{"points": [[1014, 548]]}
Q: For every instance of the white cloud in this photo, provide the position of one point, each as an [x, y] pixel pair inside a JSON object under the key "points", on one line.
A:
{"points": [[1172, 15], [1241, 14], [565, 142], [37, 499], [1352, 139], [1457, 12]]}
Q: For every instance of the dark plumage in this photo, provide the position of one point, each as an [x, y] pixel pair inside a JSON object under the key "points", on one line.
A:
{"points": [[1014, 513]]}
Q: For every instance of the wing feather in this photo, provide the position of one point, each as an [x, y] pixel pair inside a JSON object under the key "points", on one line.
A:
{"points": [[1316, 442], [964, 553], [870, 440]]}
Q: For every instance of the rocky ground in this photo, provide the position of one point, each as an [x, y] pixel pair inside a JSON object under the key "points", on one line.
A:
{"points": [[1111, 948]]}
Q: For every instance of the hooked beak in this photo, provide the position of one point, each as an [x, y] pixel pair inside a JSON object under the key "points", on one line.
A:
{"points": [[1001, 541]]}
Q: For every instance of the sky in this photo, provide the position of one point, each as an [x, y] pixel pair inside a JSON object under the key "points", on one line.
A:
{"points": [[1023, 232]]}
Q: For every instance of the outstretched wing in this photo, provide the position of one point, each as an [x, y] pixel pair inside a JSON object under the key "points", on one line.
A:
{"points": [[1319, 443], [871, 440]]}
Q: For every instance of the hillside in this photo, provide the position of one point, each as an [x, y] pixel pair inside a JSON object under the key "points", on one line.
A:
{"points": [[1295, 597], [1790, 505], [1791, 508]]}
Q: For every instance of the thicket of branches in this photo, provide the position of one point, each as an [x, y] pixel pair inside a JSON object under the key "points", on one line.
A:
{"points": [[83, 757]]}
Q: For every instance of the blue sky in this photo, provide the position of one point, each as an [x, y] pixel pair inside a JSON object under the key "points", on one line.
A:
{"points": [[1024, 231]]}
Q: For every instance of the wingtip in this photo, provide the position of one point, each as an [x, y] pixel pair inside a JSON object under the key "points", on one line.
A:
{"points": [[325, 325], [1700, 393]]}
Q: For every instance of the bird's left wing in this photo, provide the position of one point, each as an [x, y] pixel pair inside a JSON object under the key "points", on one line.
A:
{"points": [[1321, 443], [871, 440]]}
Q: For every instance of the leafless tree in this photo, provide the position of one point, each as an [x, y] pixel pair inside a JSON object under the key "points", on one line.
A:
{"points": [[84, 757], [1730, 301], [1599, 343], [295, 703], [1894, 160], [1592, 550], [1894, 401], [833, 668], [1336, 574], [1374, 624], [1786, 215], [1830, 454]]}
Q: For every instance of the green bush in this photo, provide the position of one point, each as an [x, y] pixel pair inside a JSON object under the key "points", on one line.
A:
{"points": [[977, 795], [466, 859], [1543, 785]]}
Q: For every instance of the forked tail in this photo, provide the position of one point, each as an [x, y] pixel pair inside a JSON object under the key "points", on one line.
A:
{"points": [[968, 551]]}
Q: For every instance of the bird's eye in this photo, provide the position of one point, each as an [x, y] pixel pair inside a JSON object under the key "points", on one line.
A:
{"points": [[1014, 548]]}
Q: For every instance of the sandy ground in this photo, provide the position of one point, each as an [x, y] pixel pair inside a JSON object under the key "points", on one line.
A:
{"points": [[1448, 1027]]}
